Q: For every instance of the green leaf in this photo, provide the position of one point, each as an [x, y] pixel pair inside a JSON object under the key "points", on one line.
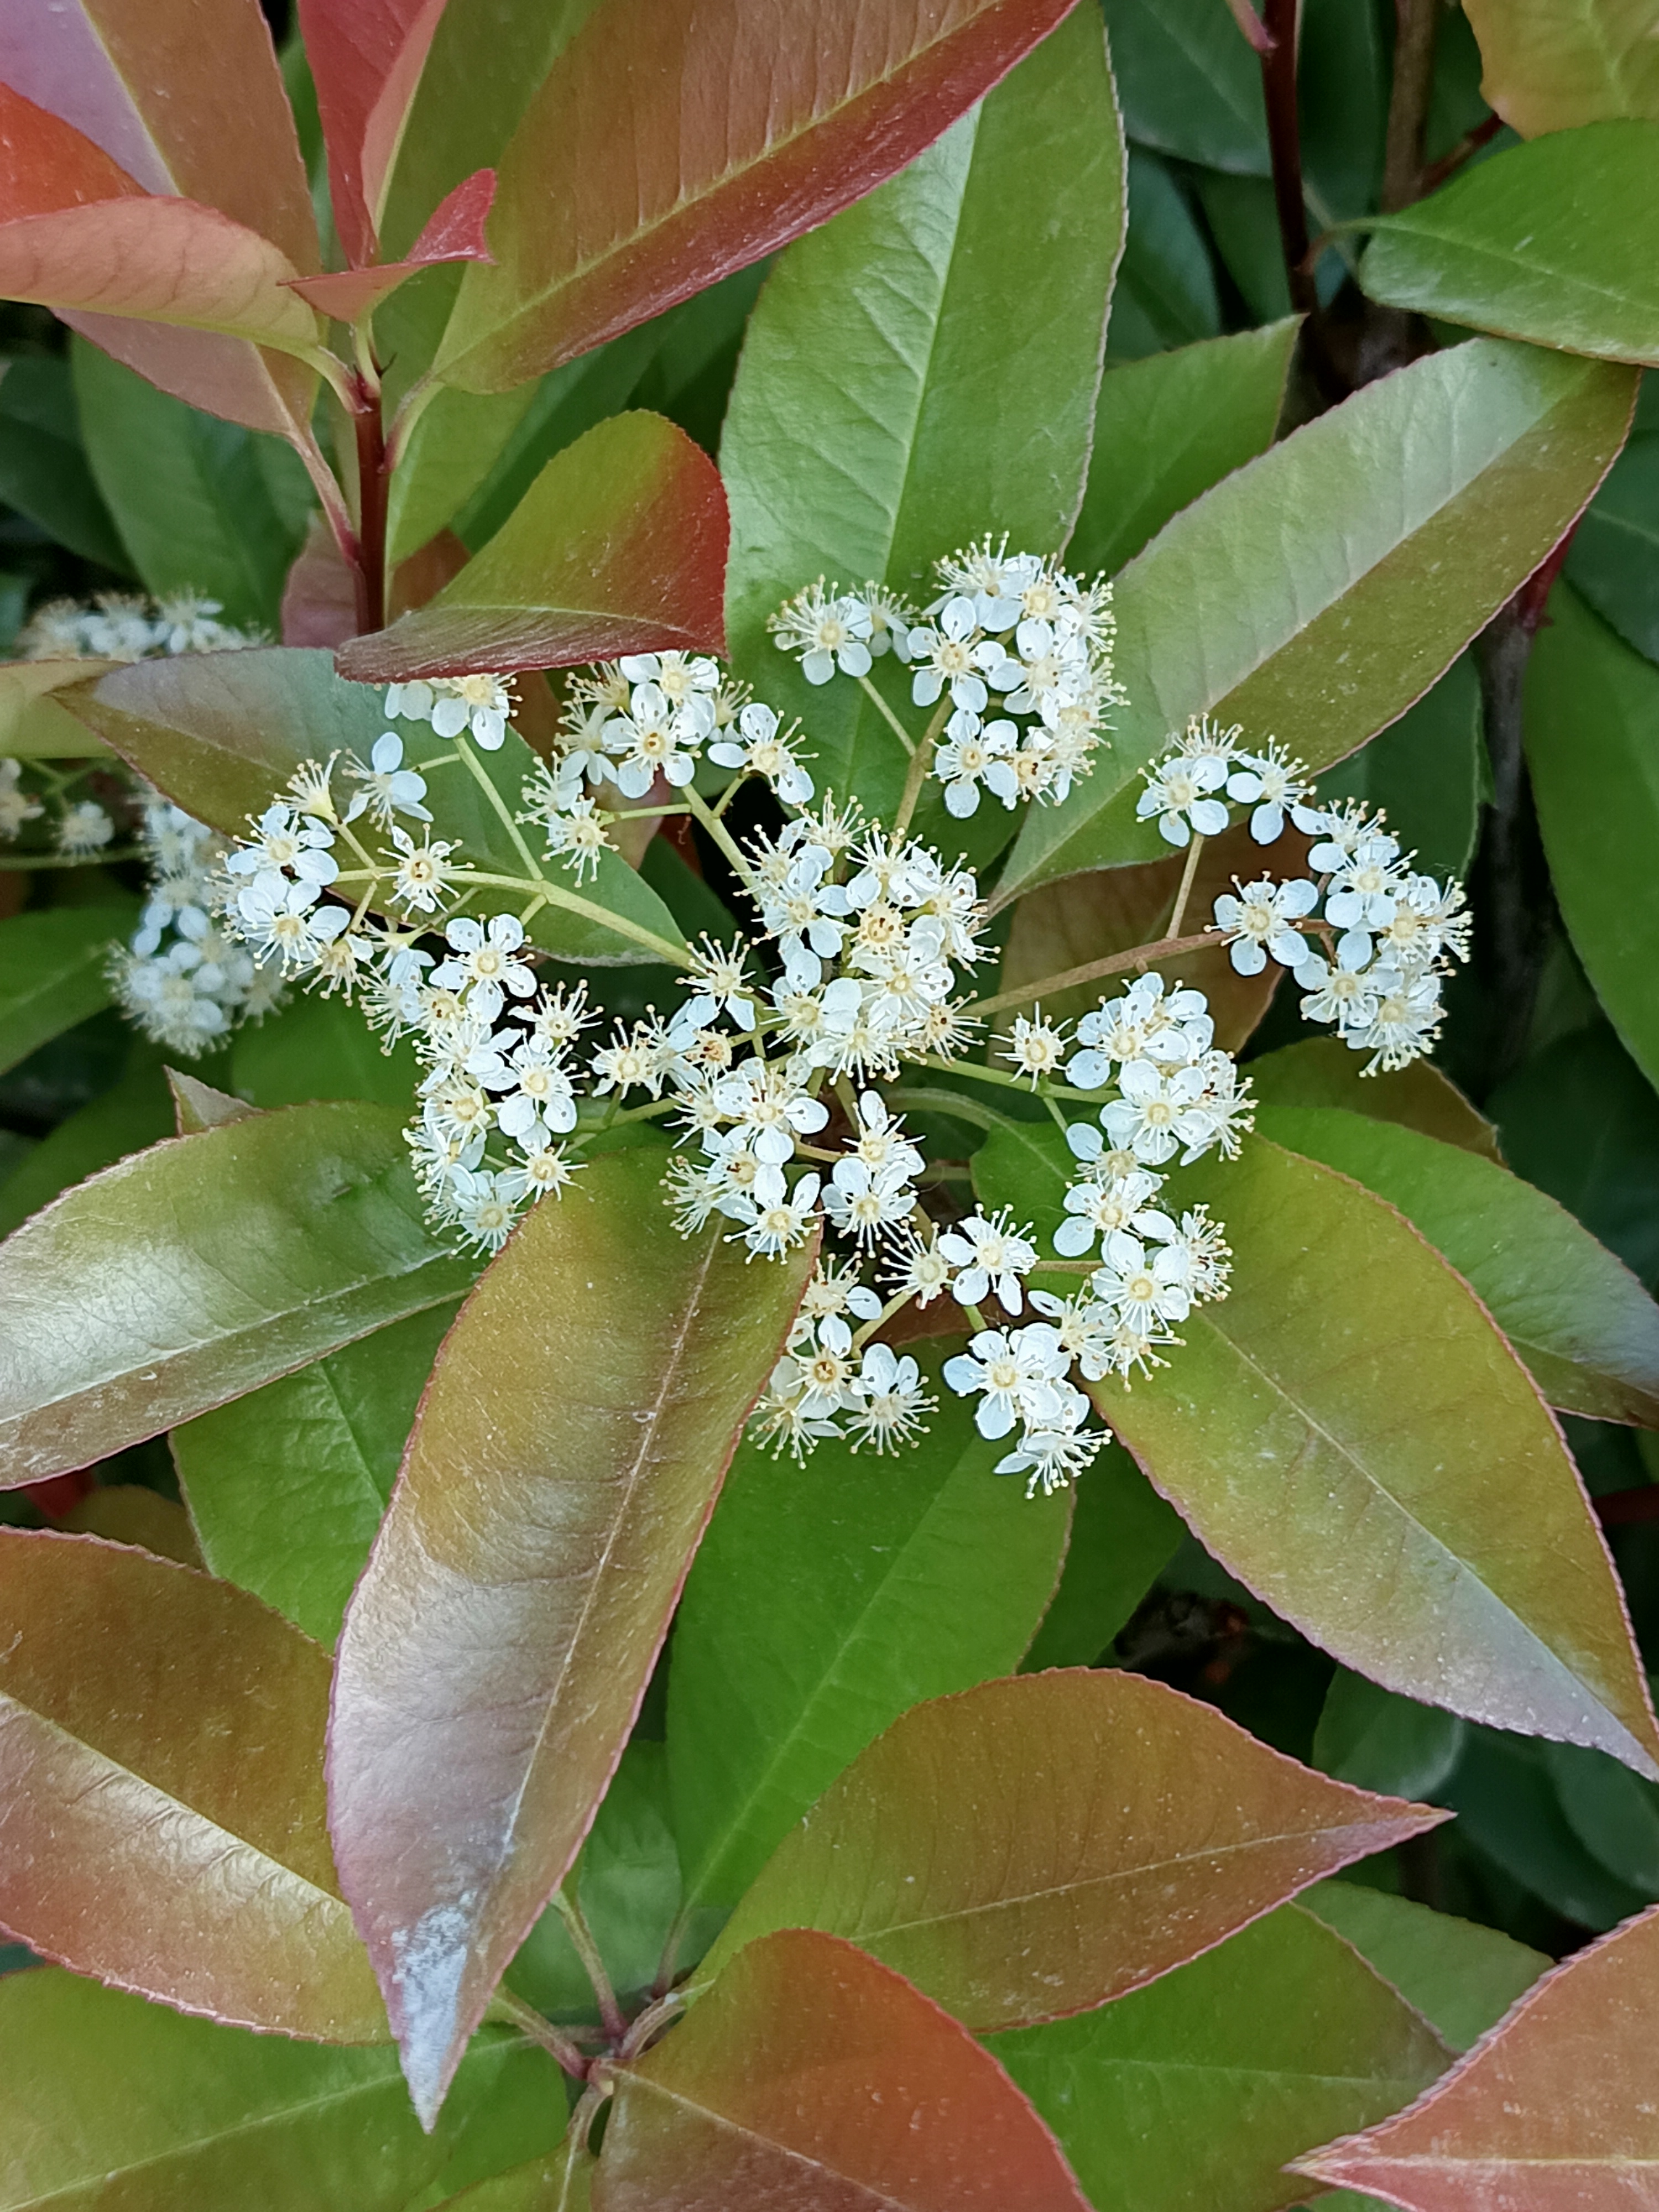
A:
{"points": [[286, 1486], [1425, 771], [222, 733], [54, 971], [1587, 1330], [873, 429], [1612, 1812], [1462, 1976], [1189, 2096], [135, 1112], [1580, 1122], [619, 546], [810, 2077], [1348, 1434], [1554, 242], [1613, 559], [827, 1599], [1321, 1071], [192, 1272], [1377, 1741], [1548, 65], [317, 1047], [566, 1456], [1420, 505], [1189, 83], [1590, 705], [43, 463], [190, 494], [1506, 1801], [198, 1105], [1167, 428], [1034, 1847], [1123, 1535], [104, 2100], [724, 158], [1166, 291], [163, 1734]]}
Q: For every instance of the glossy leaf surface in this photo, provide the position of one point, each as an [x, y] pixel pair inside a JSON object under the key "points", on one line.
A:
{"points": [[557, 1482], [1340, 574], [1590, 703], [1549, 65], [286, 1486], [1191, 86], [811, 2079], [827, 1599], [1321, 1071], [54, 972], [456, 233], [1164, 1828], [192, 1272], [1462, 1976], [366, 58], [1552, 241], [669, 145], [619, 546], [1377, 1740], [1555, 2108], [1587, 1330], [871, 429], [105, 2100], [161, 1744], [1168, 428], [1189, 2096], [1349, 1435]]}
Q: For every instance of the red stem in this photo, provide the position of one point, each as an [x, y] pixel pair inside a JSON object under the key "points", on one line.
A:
{"points": [[1284, 138], [369, 564]]}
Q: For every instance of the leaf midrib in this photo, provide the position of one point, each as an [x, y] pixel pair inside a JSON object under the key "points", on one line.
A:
{"points": [[878, 2199]]}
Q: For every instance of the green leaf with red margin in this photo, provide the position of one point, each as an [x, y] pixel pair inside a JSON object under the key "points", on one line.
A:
{"points": [[105, 2100], [1350, 1435], [1553, 2109], [619, 546], [454, 233], [1546, 66], [1318, 591], [669, 145], [366, 59], [563, 1468], [1035, 1846], [1586, 1329], [813, 2077], [1554, 242], [1189, 2096], [1321, 1071], [190, 1274], [825, 1603], [872, 430], [1462, 1977], [161, 1757], [222, 733]]}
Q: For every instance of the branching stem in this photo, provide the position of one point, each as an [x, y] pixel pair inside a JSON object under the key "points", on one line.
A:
{"points": [[581, 1939]]}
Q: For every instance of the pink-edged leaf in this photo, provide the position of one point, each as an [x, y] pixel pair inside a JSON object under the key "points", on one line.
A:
{"points": [[812, 2079], [223, 376], [319, 601], [561, 1473], [1038, 1845], [1553, 2111], [676, 140], [619, 546], [366, 56], [456, 233], [161, 1811]]}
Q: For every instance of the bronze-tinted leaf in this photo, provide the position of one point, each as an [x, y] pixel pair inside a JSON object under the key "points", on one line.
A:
{"points": [[366, 58], [811, 2079], [563, 1468], [1038, 1845], [161, 1810], [1321, 1071]]}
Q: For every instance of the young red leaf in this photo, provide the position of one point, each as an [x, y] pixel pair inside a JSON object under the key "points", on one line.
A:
{"points": [[194, 1272], [619, 546], [1038, 1845], [1553, 2111], [812, 2079], [562, 1470], [366, 56], [47, 164], [671, 144], [161, 1767], [454, 233]]}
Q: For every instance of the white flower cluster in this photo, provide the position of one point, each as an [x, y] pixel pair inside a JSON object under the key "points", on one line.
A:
{"points": [[184, 980], [1369, 938], [1014, 625], [478, 707], [123, 626]]}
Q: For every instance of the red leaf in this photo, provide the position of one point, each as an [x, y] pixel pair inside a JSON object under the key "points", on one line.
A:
{"points": [[226, 376], [319, 601], [619, 546], [366, 56], [1554, 2110], [810, 2079], [47, 164], [676, 140], [454, 233]]}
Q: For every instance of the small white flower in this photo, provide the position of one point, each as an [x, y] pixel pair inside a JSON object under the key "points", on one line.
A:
{"points": [[881, 1142], [542, 1102], [388, 787], [865, 1202], [762, 1101], [944, 655], [421, 879], [975, 754], [1180, 792], [773, 1227], [1152, 1117], [283, 841], [486, 1206], [989, 1256], [1035, 1048], [1404, 1023], [828, 629], [542, 1173], [283, 919], [720, 984], [1345, 994], [452, 704], [1364, 889], [891, 1402], [632, 1061], [1147, 1290], [1014, 1372], [486, 965], [918, 1272], [1258, 922], [762, 752], [16, 806], [1056, 1451], [1107, 1207], [1271, 783]]}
